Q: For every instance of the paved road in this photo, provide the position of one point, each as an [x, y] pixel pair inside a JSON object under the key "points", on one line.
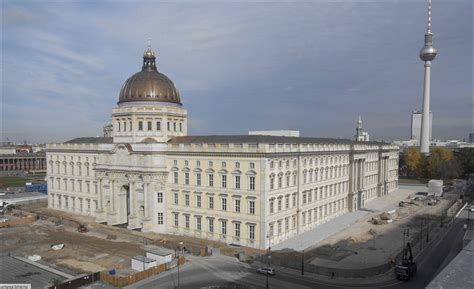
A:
{"points": [[204, 272]]}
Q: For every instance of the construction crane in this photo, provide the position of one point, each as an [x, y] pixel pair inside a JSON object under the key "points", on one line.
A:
{"points": [[407, 268]]}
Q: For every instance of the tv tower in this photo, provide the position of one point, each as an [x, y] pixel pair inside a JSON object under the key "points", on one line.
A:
{"points": [[427, 54]]}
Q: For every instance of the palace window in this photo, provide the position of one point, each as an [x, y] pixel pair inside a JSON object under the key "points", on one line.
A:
{"points": [[176, 220], [186, 200], [280, 181], [175, 178], [271, 206], [252, 207], [158, 125], [237, 206], [211, 225], [287, 201], [198, 163], [288, 180], [180, 126], [140, 125], [174, 126], [211, 180], [186, 178], [237, 182], [252, 183], [224, 204], [169, 128], [198, 201], [211, 202], [224, 181], [279, 204], [186, 221], [224, 227], [198, 223], [149, 126], [237, 165], [160, 218], [198, 179], [237, 229], [252, 165], [176, 198], [272, 183], [271, 230]]}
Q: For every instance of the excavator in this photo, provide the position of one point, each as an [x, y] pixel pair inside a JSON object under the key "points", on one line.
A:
{"points": [[407, 268]]}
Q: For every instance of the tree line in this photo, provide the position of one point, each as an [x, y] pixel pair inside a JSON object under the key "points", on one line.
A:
{"points": [[442, 163]]}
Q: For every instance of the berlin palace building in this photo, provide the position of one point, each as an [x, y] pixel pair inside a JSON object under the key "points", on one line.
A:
{"points": [[248, 190]]}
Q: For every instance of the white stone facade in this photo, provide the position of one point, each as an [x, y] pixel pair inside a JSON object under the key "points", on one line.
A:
{"points": [[244, 190]]}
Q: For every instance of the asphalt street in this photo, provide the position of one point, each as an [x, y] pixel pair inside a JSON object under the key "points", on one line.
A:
{"points": [[222, 270]]}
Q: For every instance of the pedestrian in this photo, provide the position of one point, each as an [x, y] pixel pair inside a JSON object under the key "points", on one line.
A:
{"points": [[333, 275]]}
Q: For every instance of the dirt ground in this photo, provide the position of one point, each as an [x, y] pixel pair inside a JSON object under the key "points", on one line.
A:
{"points": [[370, 244], [101, 248]]}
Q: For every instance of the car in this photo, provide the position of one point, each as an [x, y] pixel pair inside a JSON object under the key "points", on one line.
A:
{"points": [[472, 209], [266, 270]]}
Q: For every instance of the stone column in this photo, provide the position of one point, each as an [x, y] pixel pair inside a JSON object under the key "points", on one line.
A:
{"points": [[146, 200], [132, 205]]}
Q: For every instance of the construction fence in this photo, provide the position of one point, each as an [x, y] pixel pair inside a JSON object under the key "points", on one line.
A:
{"points": [[19, 218]]}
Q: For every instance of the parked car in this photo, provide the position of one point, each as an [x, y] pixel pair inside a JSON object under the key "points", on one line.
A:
{"points": [[266, 270], [472, 208]]}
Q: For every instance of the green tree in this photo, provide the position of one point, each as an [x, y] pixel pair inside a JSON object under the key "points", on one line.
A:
{"points": [[441, 165]]}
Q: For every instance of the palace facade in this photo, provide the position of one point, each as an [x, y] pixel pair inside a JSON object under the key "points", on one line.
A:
{"points": [[238, 189]]}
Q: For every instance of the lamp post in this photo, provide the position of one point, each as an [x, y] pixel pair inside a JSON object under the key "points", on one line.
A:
{"points": [[269, 257]]}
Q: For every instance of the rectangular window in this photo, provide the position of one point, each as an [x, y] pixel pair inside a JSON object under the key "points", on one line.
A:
{"points": [[310, 197], [293, 222], [211, 225], [198, 223], [271, 230], [124, 126], [186, 178], [180, 126], [224, 227], [237, 229], [271, 206], [272, 183], [279, 204], [176, 220], [175, 177], [160, 218], [158, 125], [118, 125], [174, 126], [168, 126], [252, 165], [252, 207], [198, 179], [294, 200], [252, 232], [211, 202], [223, 164], [287, 202], [186, 200], [186, 221], [140, 125], [224, 204], [304, 198], [211, 180], [288, 180], [237, 165], [159, 197], [149, 125], [224, 181], [294, 180], [287, 224], [237, 206], [252, 183], [237, 182], [198, 201], [280, 181], [176, 198], [198, 163], [186, 163], [210, 164]]}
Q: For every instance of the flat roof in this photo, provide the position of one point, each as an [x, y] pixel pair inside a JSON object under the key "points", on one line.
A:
{"points": [[85, 140], [158, 252], [264, 139], [19, 272], [143, 259]]}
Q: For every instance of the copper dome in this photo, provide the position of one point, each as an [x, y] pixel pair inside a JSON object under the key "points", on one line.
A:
{"points": [[149, 84]]}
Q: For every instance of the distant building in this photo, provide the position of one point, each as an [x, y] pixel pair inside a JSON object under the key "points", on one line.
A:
{"points": [[416, 125], [360, 134], [471, 137], [293, 133]]}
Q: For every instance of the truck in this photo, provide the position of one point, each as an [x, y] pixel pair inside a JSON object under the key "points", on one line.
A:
{"points": [[407, 268]]}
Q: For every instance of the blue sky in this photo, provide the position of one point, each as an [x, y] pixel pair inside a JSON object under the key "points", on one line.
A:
{"points": [[312, 66]]}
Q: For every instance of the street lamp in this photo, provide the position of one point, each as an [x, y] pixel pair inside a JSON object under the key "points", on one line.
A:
{"points": [[269, 256]]}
